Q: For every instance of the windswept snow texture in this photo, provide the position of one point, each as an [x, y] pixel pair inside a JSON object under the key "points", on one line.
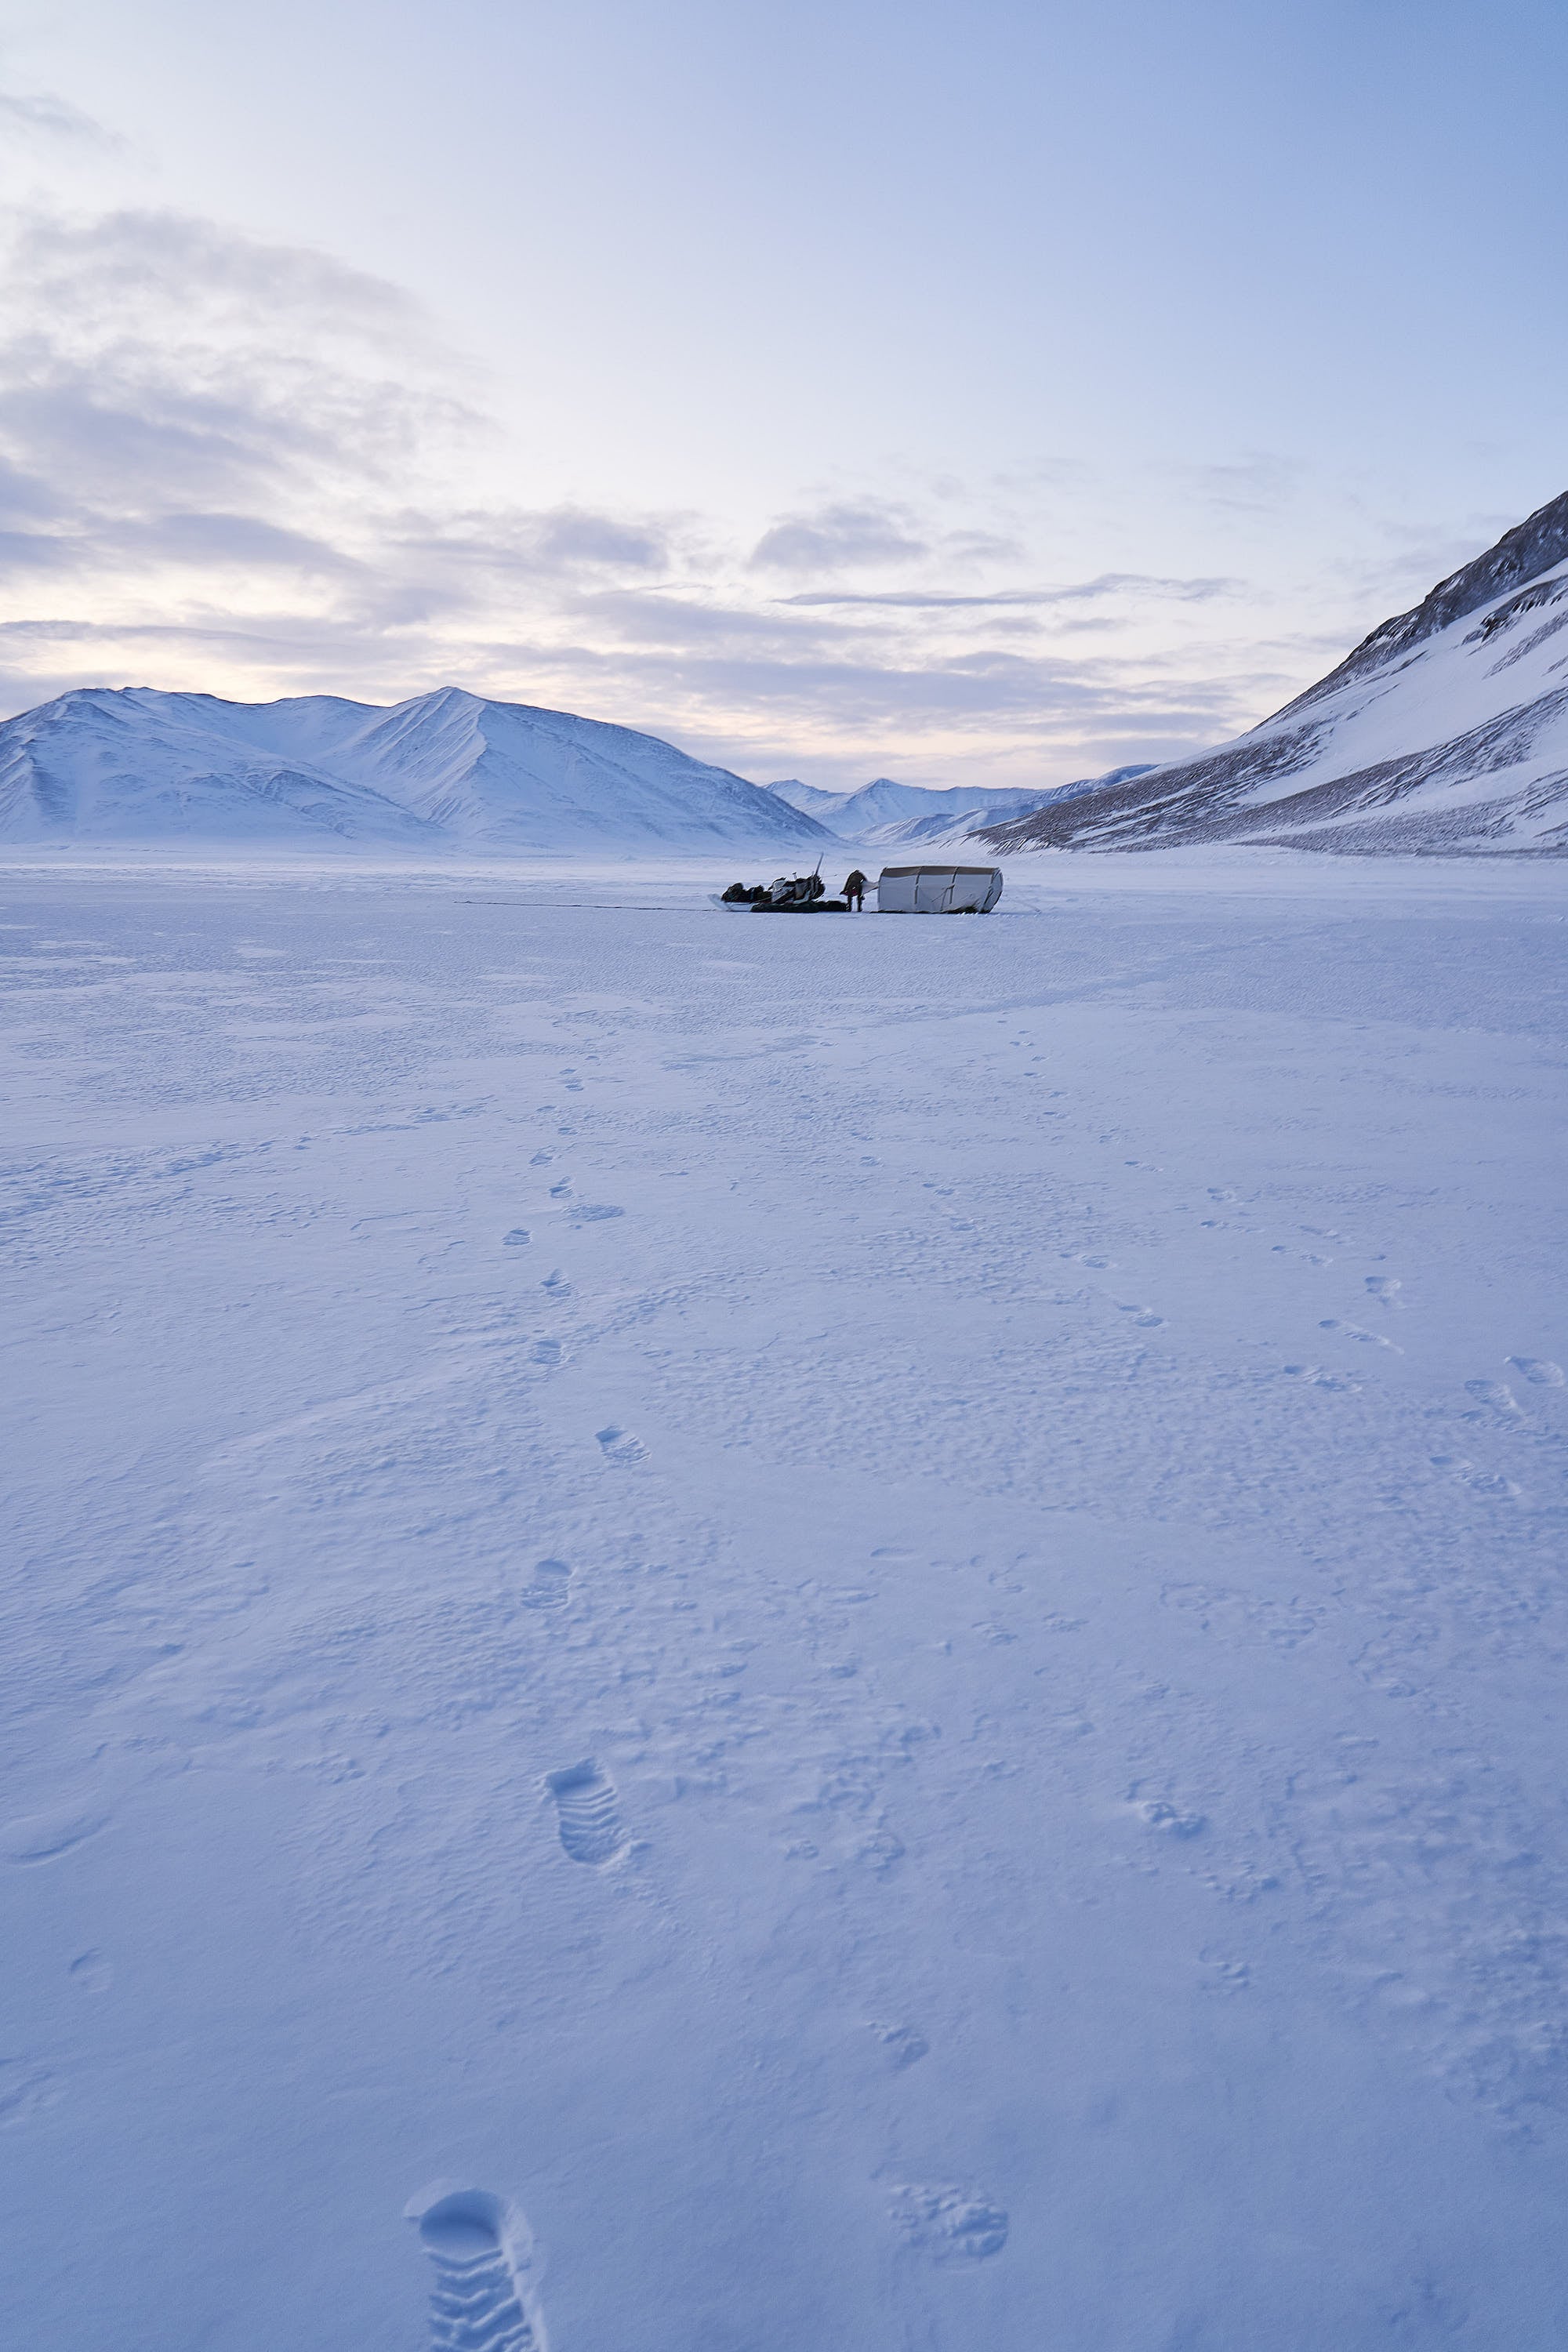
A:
{"points": [[1445, 730], [932, 1718], [448, 770]]}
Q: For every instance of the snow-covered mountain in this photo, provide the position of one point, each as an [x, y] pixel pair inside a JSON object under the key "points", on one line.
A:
{"points": [[445, 771], [862, 815], [1446, 729], [811, 801], [884, 814]]}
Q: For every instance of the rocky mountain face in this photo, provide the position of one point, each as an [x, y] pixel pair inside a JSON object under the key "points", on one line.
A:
{"points": [[1445, 731], [447, 770]]}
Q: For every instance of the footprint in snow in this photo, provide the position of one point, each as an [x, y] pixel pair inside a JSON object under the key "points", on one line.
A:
{"points": [[92, 1972], [592, 1213], [903, 2044], [1496, 1393], [542, 1159], [547, 1352], [1167, 1822], [948, 2223], [880, 1853], [550, 1588], [1385, 1289], [1144, 1316], [620, 1445], [1354, 1331], [587, 1814], [480, 2253], [517, 1239], [559, 1192], [1540, 1370], [1490, 1482], [556, 1282]]}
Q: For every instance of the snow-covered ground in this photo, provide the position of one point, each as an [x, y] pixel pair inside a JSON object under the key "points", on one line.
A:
{"points": [[872, 1611]]}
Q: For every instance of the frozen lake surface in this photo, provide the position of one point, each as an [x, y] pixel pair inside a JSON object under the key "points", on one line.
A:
{"points": [[871, 1613]]}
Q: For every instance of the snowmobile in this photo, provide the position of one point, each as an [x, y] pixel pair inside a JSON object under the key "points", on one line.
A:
{"points": [[793, 890], [791, 894]]}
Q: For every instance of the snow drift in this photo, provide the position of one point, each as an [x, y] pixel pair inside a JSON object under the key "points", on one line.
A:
{"points": [[1446, 729], [448, 770]]}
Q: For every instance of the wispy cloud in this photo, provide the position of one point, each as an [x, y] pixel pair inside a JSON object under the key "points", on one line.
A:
{"points": [[1108, 583], [41, 113], [237, 464], [169, 389], [1263, 483], [839, 538]]}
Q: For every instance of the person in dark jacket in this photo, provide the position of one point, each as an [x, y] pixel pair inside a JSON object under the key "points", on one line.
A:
{"points": [[855, 892]]}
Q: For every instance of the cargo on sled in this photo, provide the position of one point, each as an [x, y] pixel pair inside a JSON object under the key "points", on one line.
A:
{"points": [[901, 890]]}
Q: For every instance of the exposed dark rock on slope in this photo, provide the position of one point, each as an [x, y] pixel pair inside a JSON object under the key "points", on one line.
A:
{"points": [[1535, 546], [1446, 729]]}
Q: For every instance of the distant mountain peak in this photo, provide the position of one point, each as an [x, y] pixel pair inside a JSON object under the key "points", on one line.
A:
{"points": [[885, 812]]}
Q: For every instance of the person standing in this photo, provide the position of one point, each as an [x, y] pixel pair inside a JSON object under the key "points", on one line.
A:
{"points": [[855, 892]]}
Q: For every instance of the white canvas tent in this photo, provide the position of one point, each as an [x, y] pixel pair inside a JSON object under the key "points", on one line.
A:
{"points": [[938, 889]]}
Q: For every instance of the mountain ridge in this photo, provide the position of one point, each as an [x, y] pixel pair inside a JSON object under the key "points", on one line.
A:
{"points": [[446, 769], [1531, 548], [886, 814], [1445, 731]]}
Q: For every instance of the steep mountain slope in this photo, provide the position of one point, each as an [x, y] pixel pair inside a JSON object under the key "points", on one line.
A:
{"points": [[448, 770], [139, 766], [507, 775], [1446, 729]]}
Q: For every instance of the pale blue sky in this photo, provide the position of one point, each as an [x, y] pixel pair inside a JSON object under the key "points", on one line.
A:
{"points": [[983, 393]]}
